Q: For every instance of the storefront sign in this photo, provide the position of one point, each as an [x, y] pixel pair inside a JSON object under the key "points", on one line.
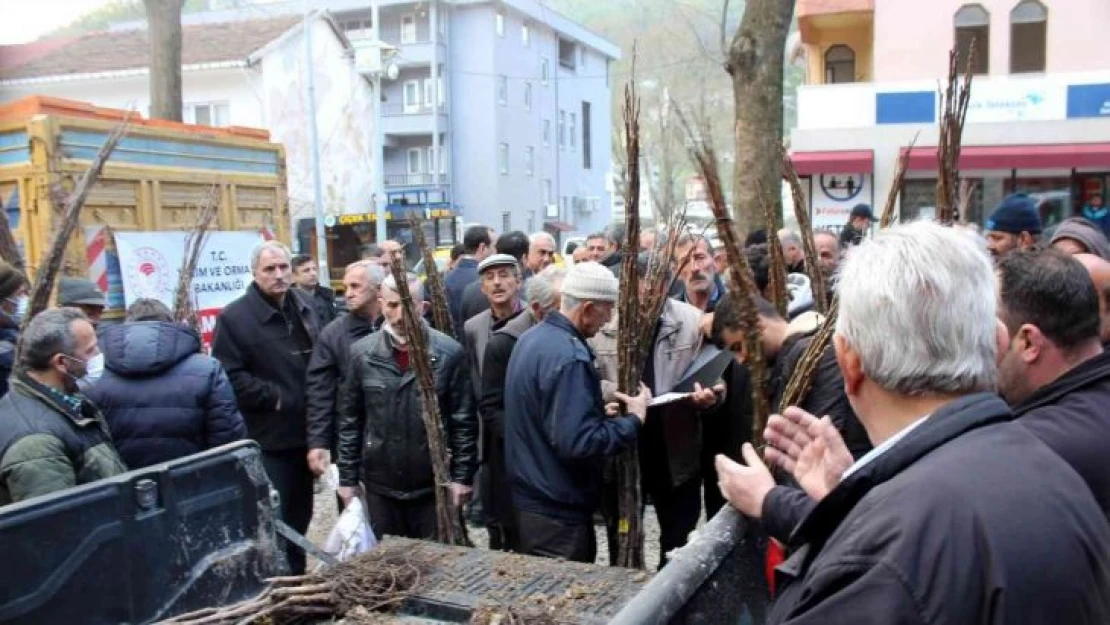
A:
{"points": [[834, 195], [364, 218], [1088, 101], [150, 263], [1018, 100]]}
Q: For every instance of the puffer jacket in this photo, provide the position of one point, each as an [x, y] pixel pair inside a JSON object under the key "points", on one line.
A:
{"points": [[382, 440], [161, 397], [9, 337], [50, 442]]}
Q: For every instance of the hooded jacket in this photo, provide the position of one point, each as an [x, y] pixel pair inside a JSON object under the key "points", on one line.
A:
{"points": [[161, 397], [967, 520]]}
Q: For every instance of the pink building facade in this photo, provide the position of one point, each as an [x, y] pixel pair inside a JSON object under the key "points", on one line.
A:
{"points": [[1038, 122]]}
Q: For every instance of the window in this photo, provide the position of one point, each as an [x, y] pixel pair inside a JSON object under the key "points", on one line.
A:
{"points": [[973, 25], [411, 96], [547, 132], [502, 90], [208, 114], [562, 129], [528, 96], [415, 161], [548, 198], [530, 161], [429, 96], [358, 29], [587, 159], [525, 34], [571, 131], [1028, 25], [432, 169], [439, 84], [503, 158], [568, 54], [506, 221], [840, 65], [545, 70], [408, 29], [499, 23]]}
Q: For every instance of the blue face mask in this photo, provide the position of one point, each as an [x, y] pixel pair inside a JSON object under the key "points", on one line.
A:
{"points": [[21, 304]]}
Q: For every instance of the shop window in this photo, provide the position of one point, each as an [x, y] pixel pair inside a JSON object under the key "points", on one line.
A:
{"points": [[840, 65], [1028, 28], [973, 26]]}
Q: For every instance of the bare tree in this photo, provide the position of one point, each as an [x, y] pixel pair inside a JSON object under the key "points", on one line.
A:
{"points": [[755, 62], [164, 30]]}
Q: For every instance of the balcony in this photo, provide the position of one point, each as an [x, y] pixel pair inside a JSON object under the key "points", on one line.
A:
{"points": [[1002, 98], [418, 53], [416, 180], [408, 120]]}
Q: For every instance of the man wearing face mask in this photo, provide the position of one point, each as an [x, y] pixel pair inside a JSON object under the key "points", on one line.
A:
{"points": [[13, 305], [51, 437]]}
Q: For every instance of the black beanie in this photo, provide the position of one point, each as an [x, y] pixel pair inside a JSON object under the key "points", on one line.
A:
{"points": [[10, 280]]}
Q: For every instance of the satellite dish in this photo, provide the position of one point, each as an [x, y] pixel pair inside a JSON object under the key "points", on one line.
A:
{"points": [[391, 71]]}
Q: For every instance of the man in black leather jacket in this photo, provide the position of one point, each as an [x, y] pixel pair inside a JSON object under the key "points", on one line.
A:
{"points": [[382, 441]]}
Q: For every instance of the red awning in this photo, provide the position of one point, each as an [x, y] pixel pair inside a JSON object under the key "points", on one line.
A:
{"points": [[1063, 156], [833, 162], [558, 226]]}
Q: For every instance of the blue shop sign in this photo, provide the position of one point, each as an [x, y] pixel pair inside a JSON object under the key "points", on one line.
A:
{"points": [[1088, 101], [909, 107]]}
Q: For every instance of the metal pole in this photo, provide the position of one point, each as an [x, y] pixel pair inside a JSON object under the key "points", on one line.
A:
{"points": [[317, 189], [378, 144]]}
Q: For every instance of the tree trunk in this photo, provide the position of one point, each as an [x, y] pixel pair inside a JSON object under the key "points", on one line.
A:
{"points": [[755, 62], [164, 29]]}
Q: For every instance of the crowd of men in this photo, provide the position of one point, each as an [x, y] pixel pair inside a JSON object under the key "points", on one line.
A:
{"points": [[946, 464]]}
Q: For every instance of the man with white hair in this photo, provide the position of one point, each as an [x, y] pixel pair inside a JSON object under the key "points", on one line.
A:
{"points": [[958, 515], [541, 252], [264, 340], [792, 251], [383, 446], [543, 298], [332, 357], [557, 434]]}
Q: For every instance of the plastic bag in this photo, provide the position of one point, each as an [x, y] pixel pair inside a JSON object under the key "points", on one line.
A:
{"points": [[352, 534]]}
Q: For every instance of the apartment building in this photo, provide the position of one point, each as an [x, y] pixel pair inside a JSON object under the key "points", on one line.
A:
{"points": [[500, 111], [1038, 119]]}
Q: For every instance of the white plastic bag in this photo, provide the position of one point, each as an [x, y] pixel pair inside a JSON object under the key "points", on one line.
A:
{"points": [[352, 534]]}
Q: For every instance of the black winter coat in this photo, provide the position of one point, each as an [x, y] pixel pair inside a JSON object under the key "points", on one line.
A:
{"points": [[161, 397], [495, 368], [323, 304], [1071, 416], [331, 360], [940, 529], [382, 440], [266, 353], [454, 283]]}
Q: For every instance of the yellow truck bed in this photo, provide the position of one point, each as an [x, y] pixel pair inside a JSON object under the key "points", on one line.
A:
{"points": [[157, 179]]}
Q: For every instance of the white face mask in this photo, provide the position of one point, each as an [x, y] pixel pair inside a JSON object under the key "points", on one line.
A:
{"points": [[94, 368], [21, 304]]}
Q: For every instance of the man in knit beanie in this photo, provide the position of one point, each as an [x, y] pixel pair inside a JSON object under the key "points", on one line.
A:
{"points": [[1015, 224], [557, 430], [1079, 236], [13, 305]]}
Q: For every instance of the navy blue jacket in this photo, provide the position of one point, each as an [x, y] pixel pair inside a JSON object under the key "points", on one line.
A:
{"points": [[9, 336], [162, 398], [556, 433], [455, 283]]}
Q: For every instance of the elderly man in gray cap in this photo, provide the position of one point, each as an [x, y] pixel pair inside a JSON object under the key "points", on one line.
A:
{"points": [[499, 278], [557, 430], [1079, 236], [82, 294]]}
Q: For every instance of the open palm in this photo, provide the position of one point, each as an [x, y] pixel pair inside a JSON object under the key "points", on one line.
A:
{"points": [[823, 460]]}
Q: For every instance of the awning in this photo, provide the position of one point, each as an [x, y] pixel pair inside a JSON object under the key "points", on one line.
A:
{"points": [[833, 162], [558, 226], [1062, 156]]}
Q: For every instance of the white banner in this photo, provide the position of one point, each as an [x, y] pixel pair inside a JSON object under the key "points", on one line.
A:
{"points": [[150, 263], [1016, 100], [834, 195]]}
